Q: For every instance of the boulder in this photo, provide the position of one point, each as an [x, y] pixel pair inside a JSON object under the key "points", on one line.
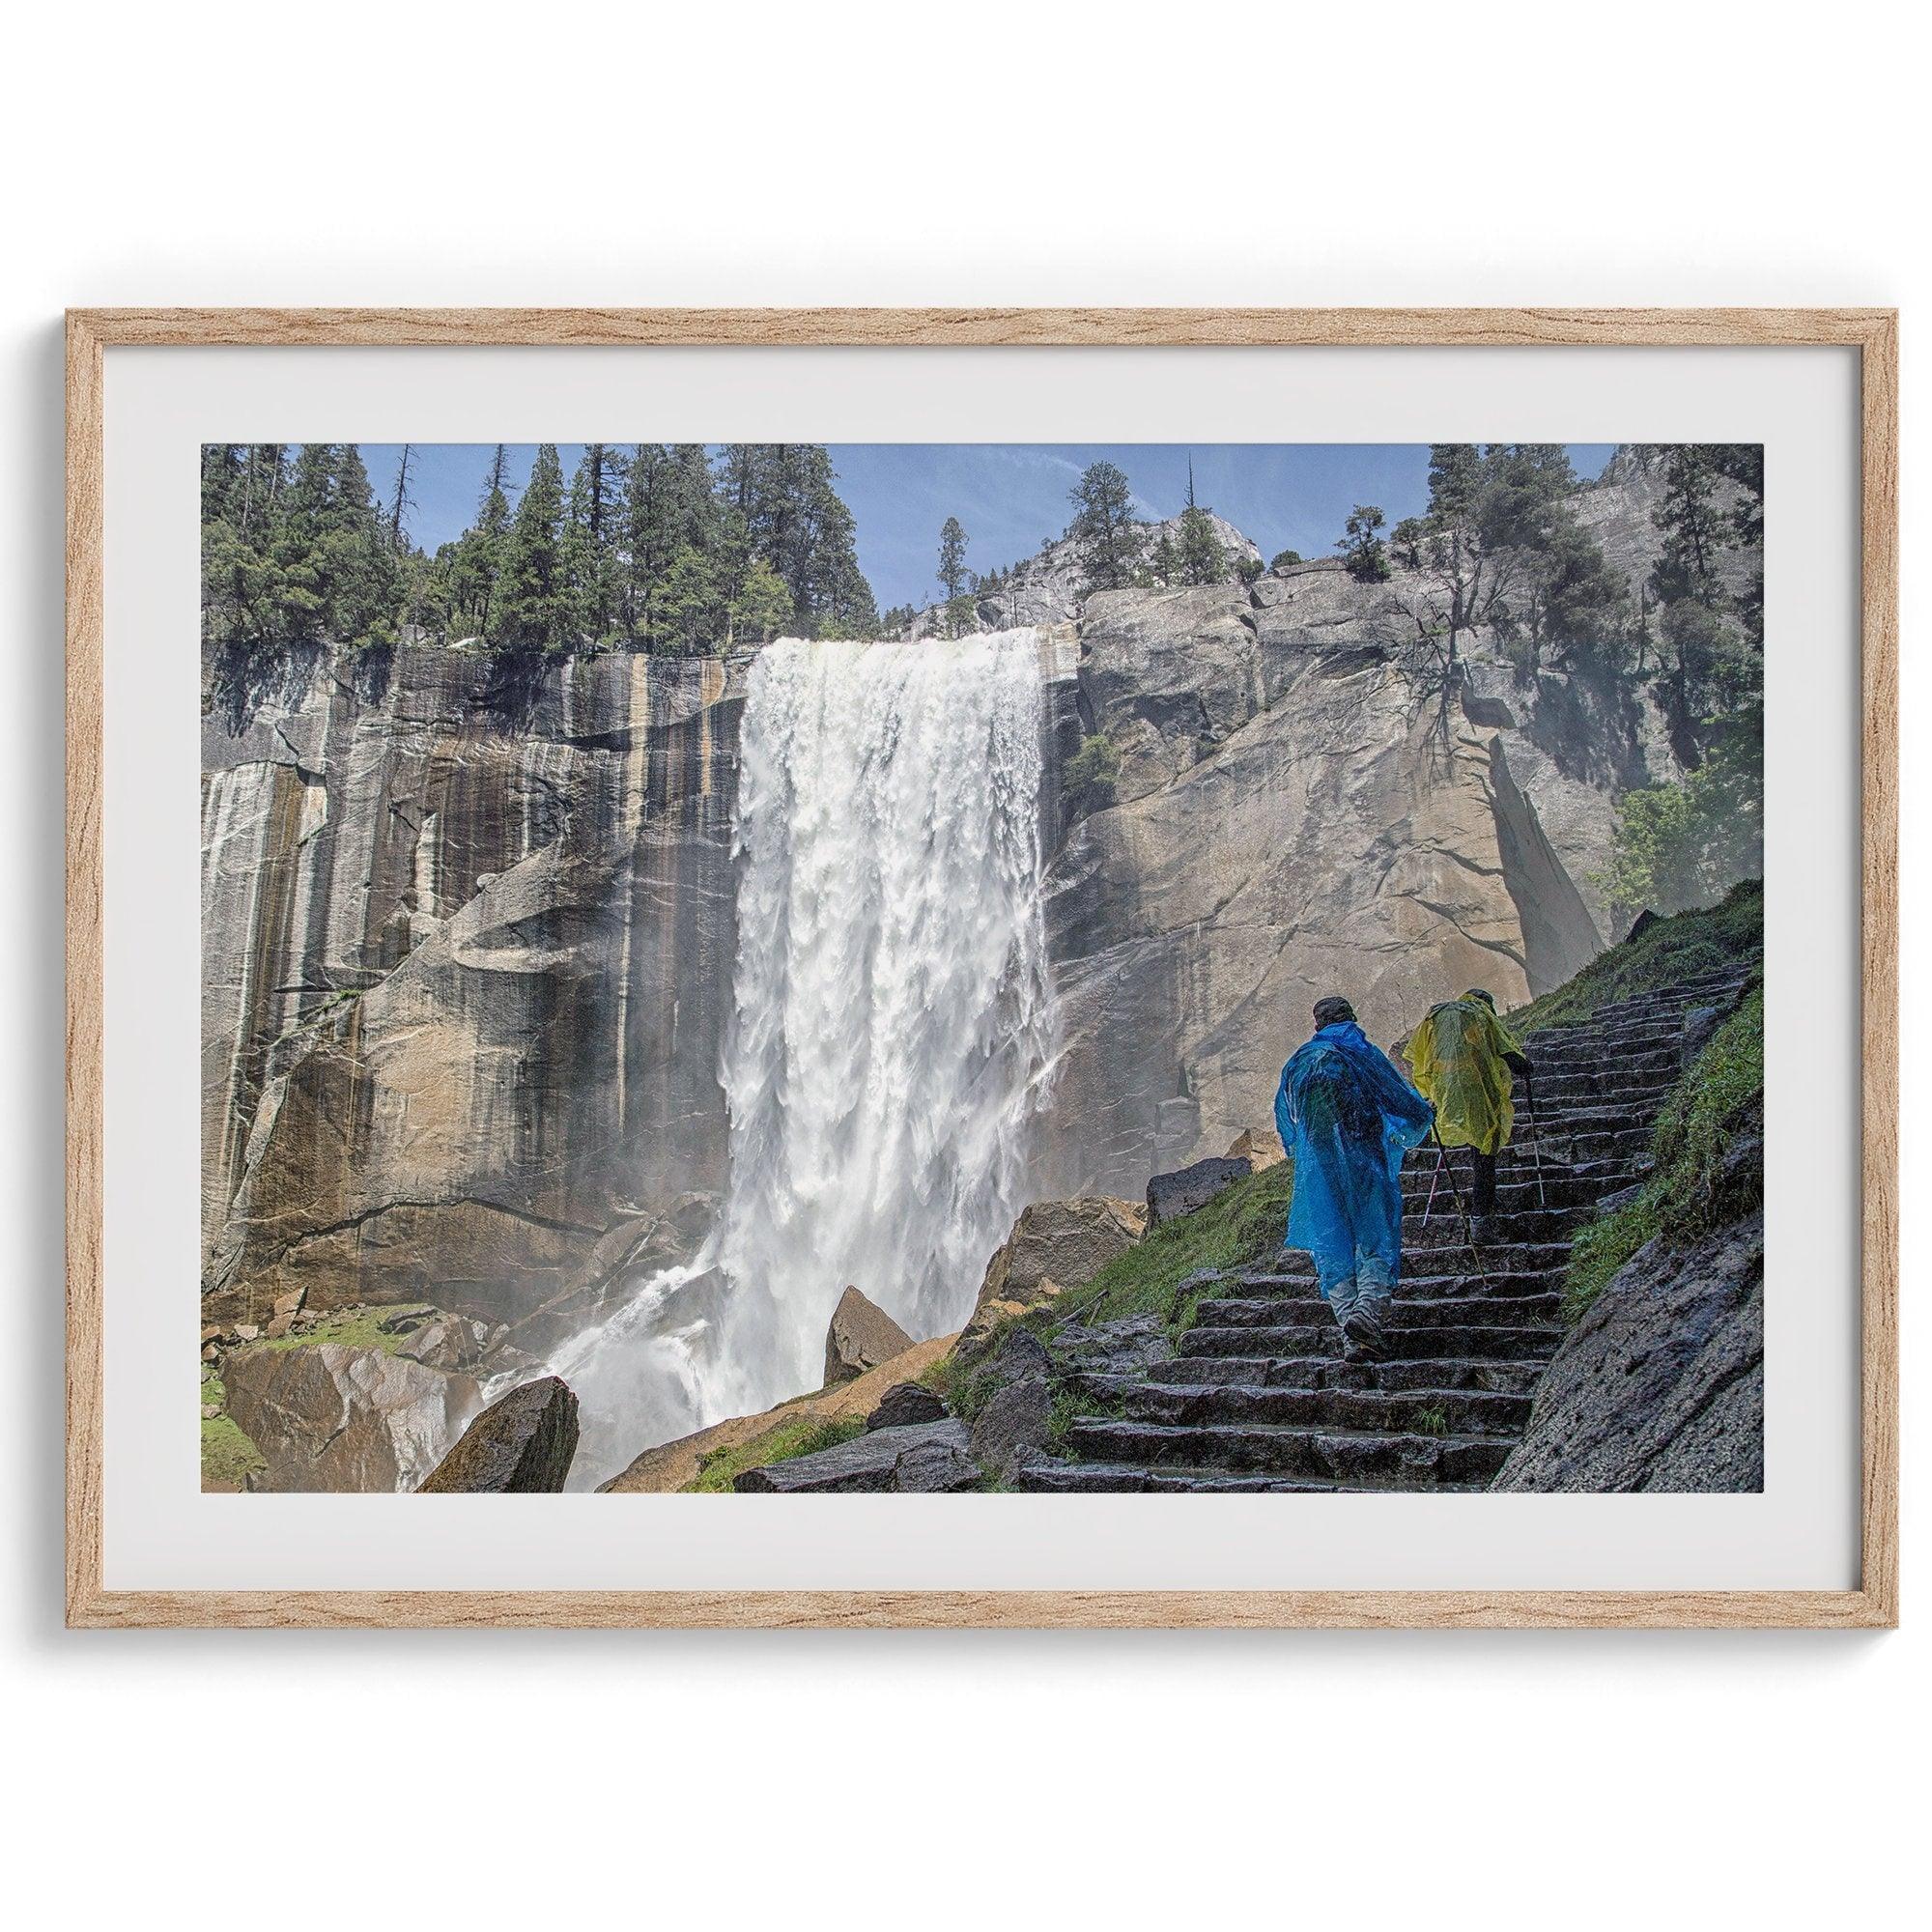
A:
{"points": [[1661, 1385], [334, 1415], [859, 1336], [1060, 1243], [1169, 1196], [1259, 1150], [521, 1445], [904, 1403], [935, 1469], [1010, 1430], [868, 1462]]}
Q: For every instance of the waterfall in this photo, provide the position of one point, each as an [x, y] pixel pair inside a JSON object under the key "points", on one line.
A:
{"points": [[891, 1031]]}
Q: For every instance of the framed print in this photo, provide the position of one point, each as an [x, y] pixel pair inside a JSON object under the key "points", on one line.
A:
{"points": [[981, 967]]}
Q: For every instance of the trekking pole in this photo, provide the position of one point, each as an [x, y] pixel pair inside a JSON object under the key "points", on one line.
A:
{"points": [[1435, 1181], [1463, 1213], [1535, 1140]]}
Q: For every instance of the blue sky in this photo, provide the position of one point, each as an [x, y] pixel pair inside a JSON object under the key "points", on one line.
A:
{"points": [[1012, 495]]}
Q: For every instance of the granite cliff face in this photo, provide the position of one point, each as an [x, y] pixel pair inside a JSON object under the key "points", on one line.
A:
{"points": [[1302, 806], [469, 949], [464, 952]]}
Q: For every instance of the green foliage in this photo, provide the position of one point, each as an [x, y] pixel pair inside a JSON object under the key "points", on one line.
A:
{"points": [[1092, 773], [1248, 569], [1430, 1422], [1676, 845], [1282, 558], [1364, 552], [952, 570], [538, 607], [1242, 1224], [1669, 952], [1500, 544], [356, 1329], [962, 614], [228, 1456], [1103, 528], [799, 1436], [1203, 557], [647, 549], [593, 555], [1705, 1174], [762, 606]]}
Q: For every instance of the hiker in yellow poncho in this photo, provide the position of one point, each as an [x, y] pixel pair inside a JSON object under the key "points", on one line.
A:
{"points": [[1463, 1057]]}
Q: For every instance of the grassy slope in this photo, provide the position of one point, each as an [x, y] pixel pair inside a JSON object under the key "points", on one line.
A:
{"points": [[1695, 1185], [804, 1435], [1241, 1224], [1673, 949]]}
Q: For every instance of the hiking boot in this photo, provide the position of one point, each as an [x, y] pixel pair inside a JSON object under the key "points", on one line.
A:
{"points": [[1364, 1336]]}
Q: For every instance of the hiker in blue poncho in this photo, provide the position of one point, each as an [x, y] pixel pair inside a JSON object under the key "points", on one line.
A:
{"points": [[1347, 1118]]}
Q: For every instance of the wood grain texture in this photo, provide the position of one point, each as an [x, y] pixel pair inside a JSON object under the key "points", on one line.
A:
{"points": [[84, 569], [698, 328], [1873, 332]]}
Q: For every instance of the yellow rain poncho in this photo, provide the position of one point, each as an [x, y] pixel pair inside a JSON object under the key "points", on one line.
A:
{"points": [[1457, 1057]]}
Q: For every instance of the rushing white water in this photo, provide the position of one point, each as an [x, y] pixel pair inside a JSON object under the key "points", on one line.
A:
{"points": [[891, 1029]]}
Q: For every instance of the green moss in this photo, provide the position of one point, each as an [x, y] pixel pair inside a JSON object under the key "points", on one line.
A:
{"points": [[1093, 771], [1695, 1184], [359, 1330], [1241, 1225], [228, 1457], [802, 1436], [1730, 933]]}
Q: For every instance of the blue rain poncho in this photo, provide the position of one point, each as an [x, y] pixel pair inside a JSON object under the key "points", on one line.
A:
{"points": [[1346, 1117]]}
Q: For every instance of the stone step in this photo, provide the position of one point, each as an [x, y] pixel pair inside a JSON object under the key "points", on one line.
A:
{"points": [[1432, 1372], [1537, 1258], [1599, 1087], [1512, 1345], [1417, 1283], [1563, 1189], [1092, 1479], [1337, 1456], [1413, 1412], [1631, 1063], [1445, 1232], [1472, 1308]]}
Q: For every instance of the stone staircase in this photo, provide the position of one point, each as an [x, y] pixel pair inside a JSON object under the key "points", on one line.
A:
{"points": [[1257, 1397]]}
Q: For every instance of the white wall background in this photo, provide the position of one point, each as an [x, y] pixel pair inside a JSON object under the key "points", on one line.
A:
{"points": [[868, 154]]}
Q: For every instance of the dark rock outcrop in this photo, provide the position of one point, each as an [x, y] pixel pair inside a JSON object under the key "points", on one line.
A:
{"points": [[868, 1462], [859, 1336], [1661, 1385], [1171, 1195], [1012, 1429], [521, 1445], [905, 1404]]}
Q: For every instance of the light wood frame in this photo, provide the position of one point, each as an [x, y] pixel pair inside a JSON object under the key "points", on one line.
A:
{"points": [[1872, 332]]}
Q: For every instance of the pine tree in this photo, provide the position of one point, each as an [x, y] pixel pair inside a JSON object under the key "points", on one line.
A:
{"points": [[401, 502], [1364, 552], [762, 606], [593, 557], [1695, 529], [952, 570], [534, 585], [1103, 530], [1203, 559], [363, 584]]}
